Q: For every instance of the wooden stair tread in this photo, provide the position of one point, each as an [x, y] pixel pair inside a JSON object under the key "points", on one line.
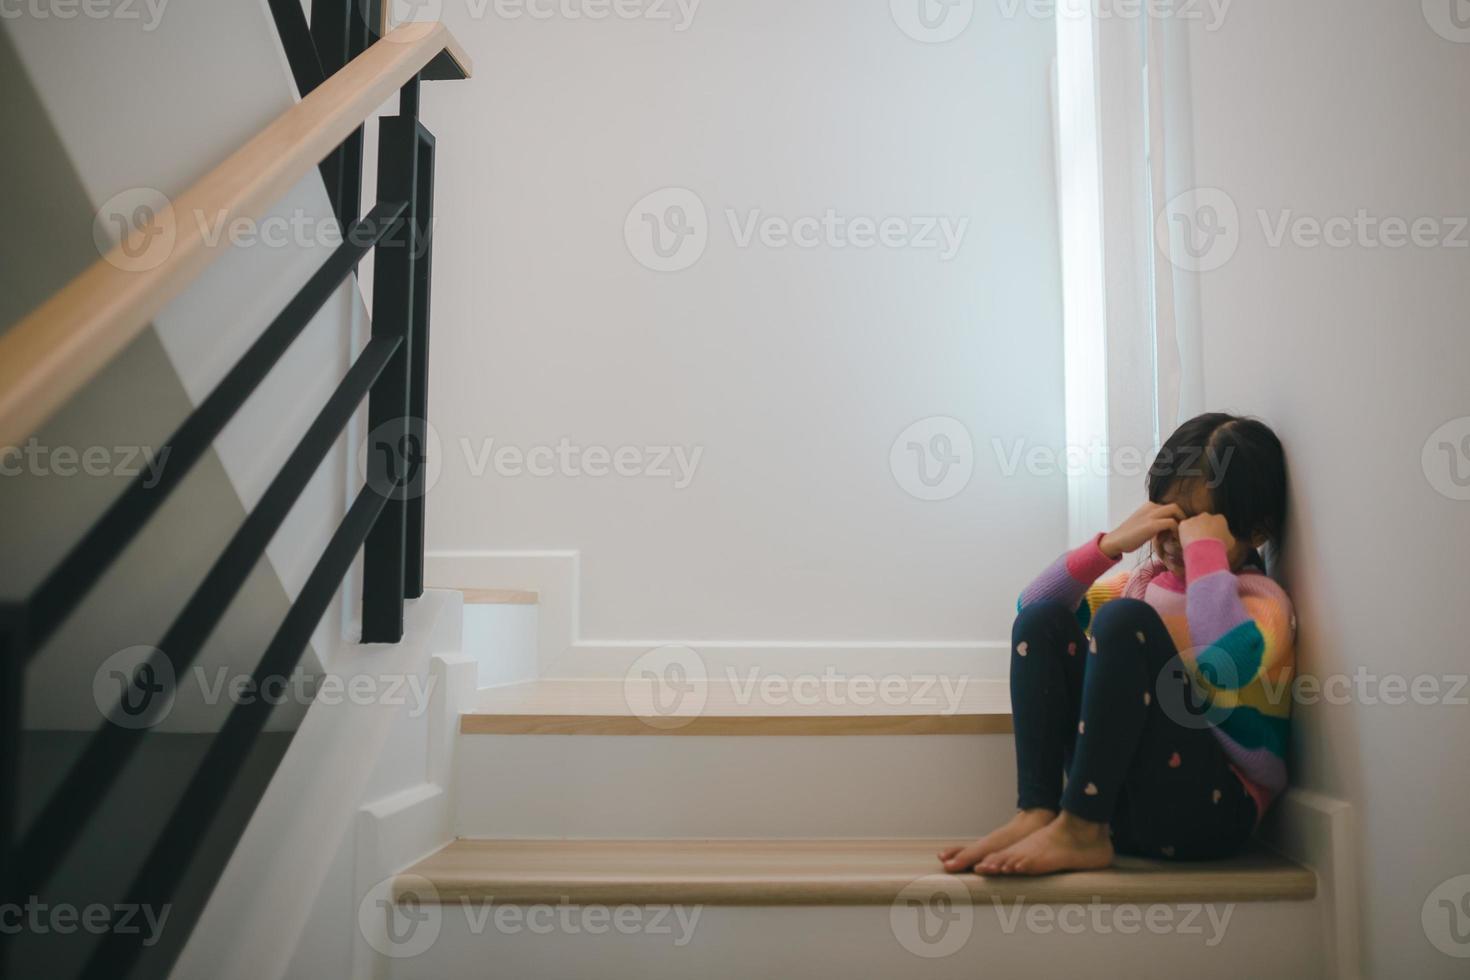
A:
{"points": [[500, 597], [616, 707], [811, 872]]}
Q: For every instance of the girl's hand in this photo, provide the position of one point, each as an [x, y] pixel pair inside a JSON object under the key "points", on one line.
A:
{"points": [[1140, 528], [1204, 526]]}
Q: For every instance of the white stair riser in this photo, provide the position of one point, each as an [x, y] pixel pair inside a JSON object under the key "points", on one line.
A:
{"points": [[501, 639], [1261, 939], [733, 786]]}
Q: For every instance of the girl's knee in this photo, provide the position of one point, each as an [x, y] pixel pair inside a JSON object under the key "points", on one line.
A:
{"points": [[1042, 618], [1125, 621]]}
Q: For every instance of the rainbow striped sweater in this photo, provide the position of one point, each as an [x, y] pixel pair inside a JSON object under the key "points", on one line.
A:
{"points": [[1235, 634]]}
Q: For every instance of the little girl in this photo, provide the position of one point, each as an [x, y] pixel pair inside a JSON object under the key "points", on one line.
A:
{"points": [[1162, 693]]}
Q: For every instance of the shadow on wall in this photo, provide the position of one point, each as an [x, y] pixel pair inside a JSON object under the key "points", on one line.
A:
{"points": [[52, 488]]}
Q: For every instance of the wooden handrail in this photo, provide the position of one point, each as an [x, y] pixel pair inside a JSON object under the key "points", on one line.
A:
{"points": [[48, 356]]}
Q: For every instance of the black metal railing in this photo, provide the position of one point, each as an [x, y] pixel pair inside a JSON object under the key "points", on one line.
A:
{"points": [[385, 522]]}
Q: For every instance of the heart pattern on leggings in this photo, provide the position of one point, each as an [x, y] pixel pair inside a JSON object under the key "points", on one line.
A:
{"points": [[1090, 789], [1022, 648]]}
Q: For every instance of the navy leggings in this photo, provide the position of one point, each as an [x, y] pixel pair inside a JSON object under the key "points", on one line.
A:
{"points": [[1118, 716]]}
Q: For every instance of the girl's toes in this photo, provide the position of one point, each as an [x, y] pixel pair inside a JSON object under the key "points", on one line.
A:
{"points": [[998, 862], [966, 858], [949, 852]]}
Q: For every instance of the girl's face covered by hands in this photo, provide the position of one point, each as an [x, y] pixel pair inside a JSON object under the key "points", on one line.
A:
{"points": [[1199, 522]]}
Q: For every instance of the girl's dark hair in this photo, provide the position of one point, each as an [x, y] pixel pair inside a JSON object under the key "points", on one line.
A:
{"points": [[1239, 460]]}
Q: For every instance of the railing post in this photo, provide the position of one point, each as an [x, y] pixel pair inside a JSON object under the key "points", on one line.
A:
{"points": [[391, 457], [12, 687], [419, 388]]}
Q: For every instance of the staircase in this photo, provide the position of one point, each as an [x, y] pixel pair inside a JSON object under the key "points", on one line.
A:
{"points": [[651, 821], [669, 826]]}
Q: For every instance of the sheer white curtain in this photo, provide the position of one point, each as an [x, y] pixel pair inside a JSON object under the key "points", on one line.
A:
{"points": [[1130, 327]]}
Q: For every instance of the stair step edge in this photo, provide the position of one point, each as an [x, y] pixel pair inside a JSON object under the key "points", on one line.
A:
{"points": [[855, 872]]}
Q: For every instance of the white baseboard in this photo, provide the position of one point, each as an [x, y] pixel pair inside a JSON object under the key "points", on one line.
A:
{"points": [[1317, 831], [253, 921], [455, 676], [406, 826], [564, 652], [393, 833]]}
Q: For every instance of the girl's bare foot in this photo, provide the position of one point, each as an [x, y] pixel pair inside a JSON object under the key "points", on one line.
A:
{"points": [[1068, 843], [962, 857]]}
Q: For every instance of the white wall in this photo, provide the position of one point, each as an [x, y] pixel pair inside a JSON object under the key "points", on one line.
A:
{"points": [[792, 369], [1356, 355]]}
